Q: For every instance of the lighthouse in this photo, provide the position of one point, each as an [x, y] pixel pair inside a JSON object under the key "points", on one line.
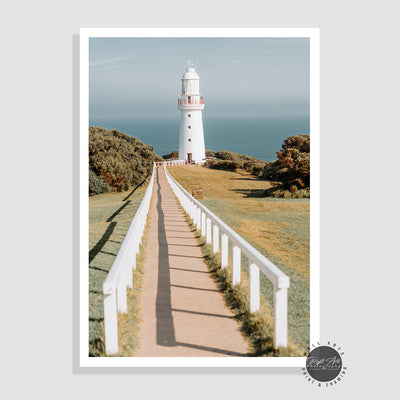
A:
{"points": [[191, 104]]}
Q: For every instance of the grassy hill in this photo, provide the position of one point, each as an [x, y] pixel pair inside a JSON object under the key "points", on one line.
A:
{"points": [[117, 161]]}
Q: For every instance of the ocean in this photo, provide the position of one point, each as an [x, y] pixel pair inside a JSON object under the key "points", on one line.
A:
{"points": [[257, 137]]}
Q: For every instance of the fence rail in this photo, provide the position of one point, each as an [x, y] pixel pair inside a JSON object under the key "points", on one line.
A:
{"points": [[211, 227], [120, 275], [171, 163]]}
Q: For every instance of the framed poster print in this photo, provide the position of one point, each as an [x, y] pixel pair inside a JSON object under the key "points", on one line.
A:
{"points": [[199, 196]]}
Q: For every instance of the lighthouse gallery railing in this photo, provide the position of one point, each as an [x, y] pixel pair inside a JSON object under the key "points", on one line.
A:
{"points": [[211, 226], [191, 101]]}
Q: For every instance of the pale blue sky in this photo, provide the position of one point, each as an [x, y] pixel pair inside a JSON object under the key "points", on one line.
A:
{"points": [[141, 77]]}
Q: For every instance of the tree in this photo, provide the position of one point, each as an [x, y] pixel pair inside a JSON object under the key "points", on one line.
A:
{"points": [[292, 167]]}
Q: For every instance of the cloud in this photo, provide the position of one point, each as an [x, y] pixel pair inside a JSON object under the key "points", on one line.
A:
{"points": [[110, 63], [107, 67]]}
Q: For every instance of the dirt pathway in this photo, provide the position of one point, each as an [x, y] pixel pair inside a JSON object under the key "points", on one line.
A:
{"points": [[183, 314]]}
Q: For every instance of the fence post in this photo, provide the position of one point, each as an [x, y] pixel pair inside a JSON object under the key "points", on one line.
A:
{"points": [[111, 323], [203, 224], [132, 254], [122, 304], [254, 288], [128, 268], [193, 213], [215, 238], [280, 317], [191, 210], [137, 242], [224, 250], [141, 227], [236, 265], [209, 237], [198, 222]]}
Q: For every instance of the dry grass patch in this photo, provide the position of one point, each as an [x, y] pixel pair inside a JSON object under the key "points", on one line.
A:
{"points": [[278, 226], [273, 239], [195, 177]]}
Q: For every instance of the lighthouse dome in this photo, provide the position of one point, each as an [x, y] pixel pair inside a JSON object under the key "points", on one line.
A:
{"points": [[190, 73]]}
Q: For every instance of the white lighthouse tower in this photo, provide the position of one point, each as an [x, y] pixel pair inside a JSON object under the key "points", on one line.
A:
{"points": [[191, 104]]}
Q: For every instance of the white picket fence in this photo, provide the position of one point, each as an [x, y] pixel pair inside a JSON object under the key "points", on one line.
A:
{"points": [[176, 162], [120, 274], [171, 163], [211, 226]]}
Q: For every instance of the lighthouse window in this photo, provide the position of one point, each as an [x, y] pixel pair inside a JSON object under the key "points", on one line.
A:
{"points": [[189, 140], [189, 127], [189, 115]]}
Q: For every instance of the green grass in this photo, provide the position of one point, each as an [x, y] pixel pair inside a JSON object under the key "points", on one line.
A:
{"points": [[278, 228], [110, 215]]}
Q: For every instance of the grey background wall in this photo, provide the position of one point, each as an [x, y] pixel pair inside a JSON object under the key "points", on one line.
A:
{"points": [[39, 196]]}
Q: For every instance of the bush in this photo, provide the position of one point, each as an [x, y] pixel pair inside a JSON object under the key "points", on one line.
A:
{"points": [[254, 168], [228, 160], [292, 167], [230, 155], [118, 159], [173, 155], [223, 164], [96, 185], [281, 192], [210, 153]]}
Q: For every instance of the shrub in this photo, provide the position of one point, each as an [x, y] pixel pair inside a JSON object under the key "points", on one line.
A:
{"points": [[228, 160], [173, 155], [254, 168], [118, 159], [96, 185], [226, 155], [292, 167], [223, 164], [210, 153], [230, 155], [281, 192]]}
